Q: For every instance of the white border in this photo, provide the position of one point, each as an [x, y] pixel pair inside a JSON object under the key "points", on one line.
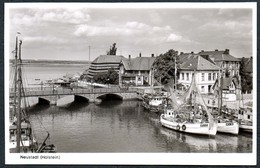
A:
{"points": [[133, 158]]}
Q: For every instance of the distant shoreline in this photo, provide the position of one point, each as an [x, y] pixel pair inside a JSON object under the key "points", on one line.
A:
{"points": [[50, 62]]}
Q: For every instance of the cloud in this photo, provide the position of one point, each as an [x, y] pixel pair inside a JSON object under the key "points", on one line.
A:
{"points": [[177, 38], [37, 17], [226, 25], [161, 29], [45, 39], [89, 30], [75, 17], [136, 25], [129, 28]]}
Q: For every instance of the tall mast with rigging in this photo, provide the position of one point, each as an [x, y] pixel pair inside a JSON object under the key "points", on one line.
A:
{"points": [[220, 83], [19, 97], [15, 74]]}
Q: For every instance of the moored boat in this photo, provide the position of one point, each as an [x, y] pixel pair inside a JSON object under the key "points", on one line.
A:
{"points": [[199, 127], [154, 102], [226, 122], [21, 137], [182, 116], [228, 126], [245, 118]]}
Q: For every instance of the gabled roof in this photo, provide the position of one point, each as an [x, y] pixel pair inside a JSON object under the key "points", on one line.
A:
{"points": [[226, 83], [142, 63], [186, 56], [138, 63], [249, 65], [219, 55], [108, 59], [198, 63]]}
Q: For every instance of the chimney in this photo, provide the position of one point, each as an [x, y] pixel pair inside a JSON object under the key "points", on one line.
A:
{"points": [[226, 51], [191, 52], [152, 55], [216, 49], [202, 50], [129, 56], [140, 55]]}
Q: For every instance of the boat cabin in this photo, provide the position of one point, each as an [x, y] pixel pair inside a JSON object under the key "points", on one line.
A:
{"points": [[245, 114]]}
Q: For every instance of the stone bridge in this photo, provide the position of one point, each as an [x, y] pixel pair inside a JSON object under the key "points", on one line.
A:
{"points": [[63, 96]]}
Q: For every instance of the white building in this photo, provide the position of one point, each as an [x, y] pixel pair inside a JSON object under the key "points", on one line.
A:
{"points": [[206, 72]]}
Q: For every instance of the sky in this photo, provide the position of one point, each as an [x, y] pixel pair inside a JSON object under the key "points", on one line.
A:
{"points": [[67, 33]]}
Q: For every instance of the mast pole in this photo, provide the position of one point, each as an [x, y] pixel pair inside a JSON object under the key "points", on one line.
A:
{"points": [[19, 97], [220, 92], [175, 73], [15, 74]]}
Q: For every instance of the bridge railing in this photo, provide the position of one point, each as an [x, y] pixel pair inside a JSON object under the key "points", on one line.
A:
{"points": [[66, 91]]}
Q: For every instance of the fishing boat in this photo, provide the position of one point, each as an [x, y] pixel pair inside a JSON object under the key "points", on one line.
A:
{"points": [[154, 102], [245, 118], [21, 137], [188, 115], [226, 122]]}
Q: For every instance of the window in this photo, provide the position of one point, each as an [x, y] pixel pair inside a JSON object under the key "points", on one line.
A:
{"points": [[224, 65], [202, 89], [182, 74], [187, 76], [248, 117], [237, 72], [202, 76], [214, 76], [209, 77], [231, 85]]}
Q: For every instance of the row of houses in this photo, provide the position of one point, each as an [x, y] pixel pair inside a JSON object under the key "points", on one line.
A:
{"points": [[207, 65]]}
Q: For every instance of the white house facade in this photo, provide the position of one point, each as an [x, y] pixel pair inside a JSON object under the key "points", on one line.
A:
{"points": [[205, 72]]}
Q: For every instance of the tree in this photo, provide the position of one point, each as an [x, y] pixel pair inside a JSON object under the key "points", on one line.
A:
{"points": [[246, 79], [164, 66], [112, 50], [111, 77]]}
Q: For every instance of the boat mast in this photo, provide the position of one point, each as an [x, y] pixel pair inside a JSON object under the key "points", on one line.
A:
{"points": [[175, 74], [19, 97], [220, 81], [15, 74]]}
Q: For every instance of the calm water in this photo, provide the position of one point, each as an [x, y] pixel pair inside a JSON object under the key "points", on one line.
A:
{"points": [[118, 126]]}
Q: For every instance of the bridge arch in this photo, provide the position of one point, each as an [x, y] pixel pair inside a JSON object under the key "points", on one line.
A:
{"points": [[81, 98], [110, 96], [42, 100]]}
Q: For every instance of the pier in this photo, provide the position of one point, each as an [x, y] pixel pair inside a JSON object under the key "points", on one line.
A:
{"points": [[62, 96]]}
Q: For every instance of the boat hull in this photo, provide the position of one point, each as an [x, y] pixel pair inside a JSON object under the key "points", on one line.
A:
{"points": [[228, 127], [246, 128], [193, 128]]}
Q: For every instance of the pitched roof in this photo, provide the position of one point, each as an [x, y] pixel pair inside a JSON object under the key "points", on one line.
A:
{"points": [[249, 65], [198, 63], [219, 55], [138, 63], [108, 59], [186, 56], [227, 81]]}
